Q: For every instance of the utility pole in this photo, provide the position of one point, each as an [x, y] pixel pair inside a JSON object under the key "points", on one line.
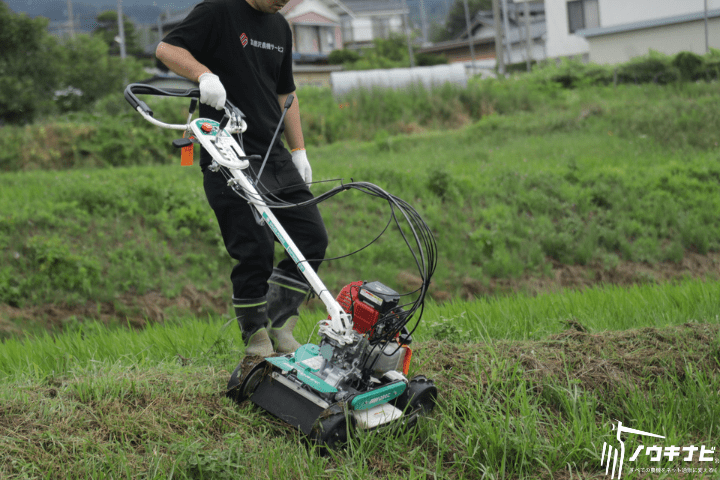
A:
{"points": [[407, 34], [121, 30], [470, 36], [423, 21], [71, 20], [707, 41], [528, 37], [159, 27], [506, 29], [499, 52]]}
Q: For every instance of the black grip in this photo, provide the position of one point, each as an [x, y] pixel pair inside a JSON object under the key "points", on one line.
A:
{"points": [[182, 142], [143, 89]]}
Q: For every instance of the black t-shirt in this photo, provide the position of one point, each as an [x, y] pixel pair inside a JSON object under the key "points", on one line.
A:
{"points": [[251, 52]]}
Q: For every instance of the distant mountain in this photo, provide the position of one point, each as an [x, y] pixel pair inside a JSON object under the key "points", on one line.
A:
{"points": [[141, 11], [147, 11]]}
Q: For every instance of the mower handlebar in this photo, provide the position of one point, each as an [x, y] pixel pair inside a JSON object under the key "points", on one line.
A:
{"points": [[143, 89]]}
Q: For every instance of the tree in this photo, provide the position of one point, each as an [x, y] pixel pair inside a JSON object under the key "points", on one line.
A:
{"points": [[28, 66], [89, 73], [107, 30], [456, 24]]}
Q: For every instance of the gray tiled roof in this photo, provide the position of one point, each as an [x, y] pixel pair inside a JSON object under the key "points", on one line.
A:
{"points": [[370, 6]]}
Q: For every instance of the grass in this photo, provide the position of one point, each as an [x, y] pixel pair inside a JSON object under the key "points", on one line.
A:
{"points": [[526, 395], [540, 181], [507, 201]]}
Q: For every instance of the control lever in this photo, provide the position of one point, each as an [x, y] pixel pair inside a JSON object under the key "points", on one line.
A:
{"points": [[288, 102], [258, 219], [223, 123], [182, 142]]}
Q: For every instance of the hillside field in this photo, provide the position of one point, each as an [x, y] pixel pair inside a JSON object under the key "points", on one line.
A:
{"points": [[578, 238]]}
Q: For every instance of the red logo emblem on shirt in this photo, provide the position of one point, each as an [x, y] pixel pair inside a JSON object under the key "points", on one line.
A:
{"points": [[244, 40]]}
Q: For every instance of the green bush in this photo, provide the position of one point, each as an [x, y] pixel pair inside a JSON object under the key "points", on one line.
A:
{"points": [[690, 65], [653, 68], [339, 57], [429, 59]]}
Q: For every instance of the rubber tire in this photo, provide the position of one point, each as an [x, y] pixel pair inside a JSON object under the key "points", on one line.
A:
{"points": [[331, 430], [419, 398], [241, 390]]}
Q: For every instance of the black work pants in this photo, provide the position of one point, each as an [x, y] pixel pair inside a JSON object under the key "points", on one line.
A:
{"points": [[253, 245]]}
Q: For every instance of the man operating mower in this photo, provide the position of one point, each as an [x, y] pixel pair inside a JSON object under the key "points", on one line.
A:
{"points": [[241, 50]]}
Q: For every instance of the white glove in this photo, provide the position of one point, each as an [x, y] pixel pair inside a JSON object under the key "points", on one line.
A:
{"points": [[299, 158], [212, 91]]}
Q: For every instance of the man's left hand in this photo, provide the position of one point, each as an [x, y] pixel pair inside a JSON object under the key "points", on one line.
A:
{"points": [[299, 158]]}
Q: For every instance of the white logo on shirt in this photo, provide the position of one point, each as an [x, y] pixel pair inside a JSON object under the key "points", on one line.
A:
{"points": [[265, 45]]}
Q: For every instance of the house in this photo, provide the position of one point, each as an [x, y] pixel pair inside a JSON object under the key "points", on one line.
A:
{"points": [[614, 31], [315, 27], [482, 36], [362, 21]]}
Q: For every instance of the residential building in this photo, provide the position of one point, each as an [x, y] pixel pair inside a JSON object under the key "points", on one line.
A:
{"points": [[482, 37], [614, 31], [362, 21], [316, 29]]}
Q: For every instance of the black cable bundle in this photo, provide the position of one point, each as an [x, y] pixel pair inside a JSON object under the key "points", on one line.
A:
{"points": [[418, 238]]}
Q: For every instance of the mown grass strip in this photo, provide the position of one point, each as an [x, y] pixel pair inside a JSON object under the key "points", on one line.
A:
{"points": [[510, 409]]}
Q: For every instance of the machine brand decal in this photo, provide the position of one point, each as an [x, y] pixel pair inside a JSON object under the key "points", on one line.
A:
{"points": [[382, 394]]}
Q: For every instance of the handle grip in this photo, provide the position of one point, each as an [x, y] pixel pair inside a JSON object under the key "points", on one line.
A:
{"points": [[142, 89]]}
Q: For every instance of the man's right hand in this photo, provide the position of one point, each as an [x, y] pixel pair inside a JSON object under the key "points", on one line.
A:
{"points": [[212, 91]]}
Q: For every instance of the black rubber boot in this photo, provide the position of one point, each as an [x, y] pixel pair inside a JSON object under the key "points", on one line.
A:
{"points": [[284, 297], [252, 316]]}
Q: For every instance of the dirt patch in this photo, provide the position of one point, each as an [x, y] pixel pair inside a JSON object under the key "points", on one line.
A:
{"points": [[606, 362], [583, 276], [137, 310], [131, 309]]}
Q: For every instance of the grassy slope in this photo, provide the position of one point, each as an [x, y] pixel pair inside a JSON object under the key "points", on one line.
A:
{"points": [[532, 400], [149, 404], [601, 178]]}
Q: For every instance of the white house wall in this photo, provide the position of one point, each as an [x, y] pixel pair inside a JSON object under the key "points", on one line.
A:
{"points": [[362, 30], [621, 12], [669, 39], [560, 43]]}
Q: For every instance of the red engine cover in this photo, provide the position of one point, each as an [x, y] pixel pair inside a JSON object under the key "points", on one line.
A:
{"points": [[364, 316]]}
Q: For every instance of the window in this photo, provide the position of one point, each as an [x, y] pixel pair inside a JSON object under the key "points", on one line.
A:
{"points": [[347, 31], [582, 14], [380, 27]]}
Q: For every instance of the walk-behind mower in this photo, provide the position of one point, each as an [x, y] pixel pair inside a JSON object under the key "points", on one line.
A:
{"points": [[356, 377]]}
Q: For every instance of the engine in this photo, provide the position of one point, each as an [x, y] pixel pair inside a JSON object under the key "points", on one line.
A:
{"points": [[376, 317]]}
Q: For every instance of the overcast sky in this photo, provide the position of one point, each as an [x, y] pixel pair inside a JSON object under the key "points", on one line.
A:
{"points": [[147, 11], [142, 11]]}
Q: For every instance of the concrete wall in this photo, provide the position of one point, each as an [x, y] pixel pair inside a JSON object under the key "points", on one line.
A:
{"points": [[670, 39], [620, 12], [307, 75]]}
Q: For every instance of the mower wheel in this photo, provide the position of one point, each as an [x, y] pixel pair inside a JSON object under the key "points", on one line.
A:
{"points": [[331, 429], [242, 386], [419, 398]]}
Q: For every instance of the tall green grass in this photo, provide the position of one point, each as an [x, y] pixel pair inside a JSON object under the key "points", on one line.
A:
{"points": [[517, 317], [502, 205]]}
